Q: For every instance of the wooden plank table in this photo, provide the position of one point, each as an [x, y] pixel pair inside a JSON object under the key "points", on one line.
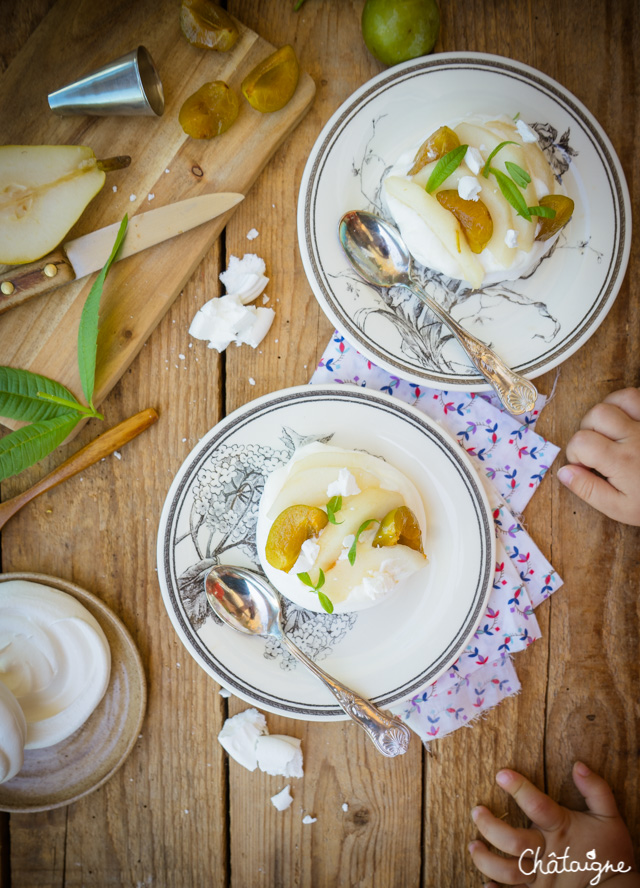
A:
{"points": [[178, 813]]}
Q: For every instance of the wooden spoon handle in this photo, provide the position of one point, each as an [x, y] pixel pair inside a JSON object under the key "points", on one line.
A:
{"points": [[91, 453]]}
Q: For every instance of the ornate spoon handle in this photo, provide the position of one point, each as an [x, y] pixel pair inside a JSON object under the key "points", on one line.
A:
{"points": [[389, 735], [516, 393]]}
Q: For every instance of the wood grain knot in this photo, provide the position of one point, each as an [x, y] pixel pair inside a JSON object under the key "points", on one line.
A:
{"points": [[361, 817], [591, 718], [197, 171]]}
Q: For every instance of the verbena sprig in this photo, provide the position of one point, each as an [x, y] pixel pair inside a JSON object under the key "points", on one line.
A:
{"points": [[324, 600], [351, 555], [447, 164], [50, 408], [510, 187], [334, 505]]}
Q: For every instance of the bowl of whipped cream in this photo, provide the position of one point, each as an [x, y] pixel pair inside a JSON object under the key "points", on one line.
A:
{"points": [[72, 692]]}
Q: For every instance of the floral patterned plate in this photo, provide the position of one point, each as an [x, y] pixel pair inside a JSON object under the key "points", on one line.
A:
{"points": [[534, 323], [386, 652]]}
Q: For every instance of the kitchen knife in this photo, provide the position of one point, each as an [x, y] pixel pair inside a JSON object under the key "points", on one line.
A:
{"points": [[79, 257]]}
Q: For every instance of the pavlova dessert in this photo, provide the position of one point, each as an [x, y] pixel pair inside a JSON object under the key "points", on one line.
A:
{"points": [[477, 200], [339, 530]]}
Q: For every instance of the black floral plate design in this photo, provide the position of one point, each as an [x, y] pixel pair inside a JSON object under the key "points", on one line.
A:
{"points": [[385, 653]]}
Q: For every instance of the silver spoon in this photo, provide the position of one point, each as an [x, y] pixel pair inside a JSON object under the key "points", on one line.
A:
{"points": [[380, 256], [248, 603]]}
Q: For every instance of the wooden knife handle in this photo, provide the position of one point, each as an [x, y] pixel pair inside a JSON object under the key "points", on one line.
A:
{"points": [[25, 281]]}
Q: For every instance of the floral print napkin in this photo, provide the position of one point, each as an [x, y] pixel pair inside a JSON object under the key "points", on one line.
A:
{"points": [[511, 459]]}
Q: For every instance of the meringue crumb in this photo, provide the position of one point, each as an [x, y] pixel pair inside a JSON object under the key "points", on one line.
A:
{"points": [[115, 188], [307, 819], [253, 234], [252, 381], [117, 454], [132, 197], [345, 807], [223, 692], [150, 196], [282, 799], [167, 171]]}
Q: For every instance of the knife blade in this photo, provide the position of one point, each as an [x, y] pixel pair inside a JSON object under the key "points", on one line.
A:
{"points": [[83, 255]]}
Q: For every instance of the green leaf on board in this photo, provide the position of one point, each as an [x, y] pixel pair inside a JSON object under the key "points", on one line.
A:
{"points": [[334, 505], [445, 166], [33, 442], [88, 330], [512, 193], [298, 5], [520, 177], [20, 398], [486, 168], [544, 212], [351, 555]]}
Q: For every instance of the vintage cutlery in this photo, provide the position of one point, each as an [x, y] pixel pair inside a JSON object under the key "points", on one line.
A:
{"points": [[380, 256], [83, 255], [248, 603]]}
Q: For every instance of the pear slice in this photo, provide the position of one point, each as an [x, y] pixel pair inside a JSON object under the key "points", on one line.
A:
{"points": [[44, 189], [441, 222], [397, 563]]}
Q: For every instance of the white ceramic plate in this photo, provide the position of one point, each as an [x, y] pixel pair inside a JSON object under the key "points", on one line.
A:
{"points": [[387, 652], [534, 323], [58, 775]]}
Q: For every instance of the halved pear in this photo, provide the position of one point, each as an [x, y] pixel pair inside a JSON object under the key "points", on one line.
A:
{"points": [[44, 190]]}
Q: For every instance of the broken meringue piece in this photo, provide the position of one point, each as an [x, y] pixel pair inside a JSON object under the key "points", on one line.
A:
{"points": [[282, 799], [240, 734], [279, 756]]}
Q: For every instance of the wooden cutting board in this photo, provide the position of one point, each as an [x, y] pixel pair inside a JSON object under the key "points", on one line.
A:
{"points": [[76, 37]]}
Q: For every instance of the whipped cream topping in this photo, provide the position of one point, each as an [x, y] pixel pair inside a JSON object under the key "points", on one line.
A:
{"points": [[54, 658], [13, 734]]}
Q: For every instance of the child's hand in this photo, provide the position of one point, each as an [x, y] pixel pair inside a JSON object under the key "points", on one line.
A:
{"points": [[555, 832], [609, 442]]}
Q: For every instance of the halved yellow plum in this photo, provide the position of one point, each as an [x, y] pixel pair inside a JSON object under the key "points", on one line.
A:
{"points": [[563, 206], [473, 216], [436, 146], [289, 531], [210, 111], [207, 25], [273, 81], [399, 527]]}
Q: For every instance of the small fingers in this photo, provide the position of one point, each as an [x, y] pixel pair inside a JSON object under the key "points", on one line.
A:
{"points": [[503, 836], [610, 420], [595, 491], [539, 808], [596, 791], [627, 399], [502, 869], [589, 448]]}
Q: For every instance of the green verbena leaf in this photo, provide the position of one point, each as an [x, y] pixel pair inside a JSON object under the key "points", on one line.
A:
{"points": [[19, 396], [351, 555], [320, 582], [445, 166], [298, 5], [520, 177], [545, 212], [512, 194], [28, 445], [88, 330], [306, 579], [487, 166], [334, 505], [326, 602]]}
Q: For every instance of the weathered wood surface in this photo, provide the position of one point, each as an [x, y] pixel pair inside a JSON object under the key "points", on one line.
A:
{"points": [[178, 814]]}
